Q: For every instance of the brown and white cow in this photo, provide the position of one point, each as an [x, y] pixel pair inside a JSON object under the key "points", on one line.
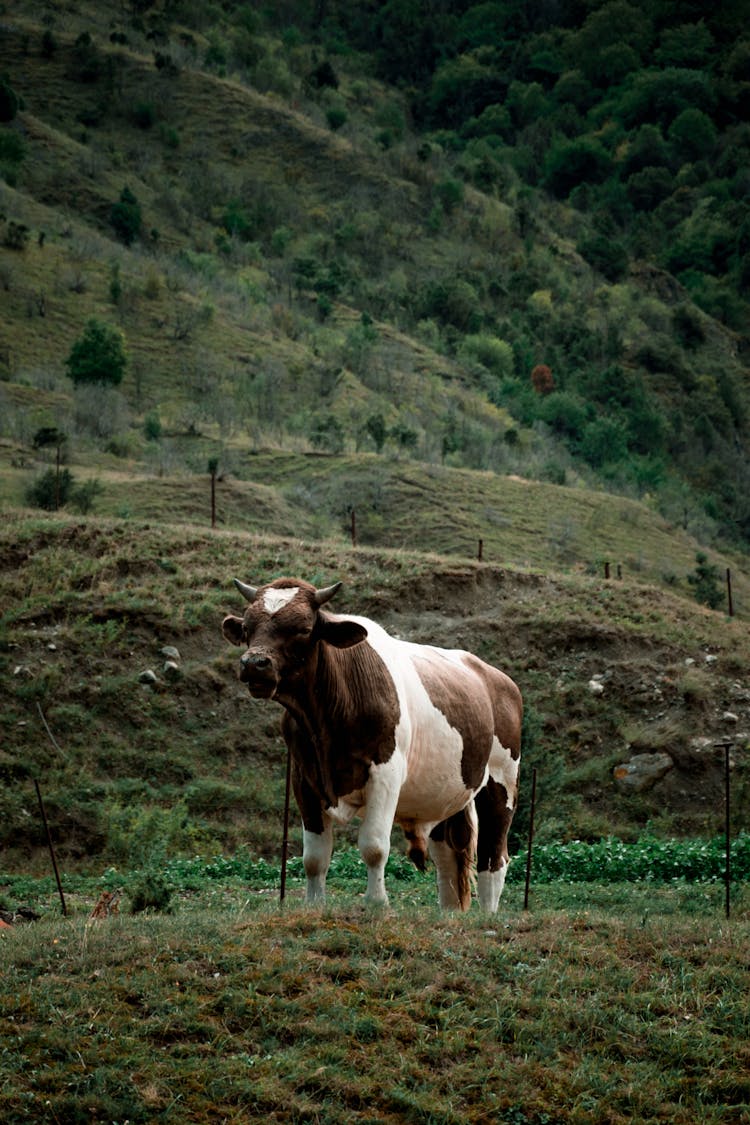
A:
{"points": [[388, 731]]}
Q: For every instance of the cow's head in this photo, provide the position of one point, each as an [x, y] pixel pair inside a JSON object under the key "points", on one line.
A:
{"points": [[281, 629]]}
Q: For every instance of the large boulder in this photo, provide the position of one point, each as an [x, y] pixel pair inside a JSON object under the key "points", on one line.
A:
{"points": [[642, 772]]}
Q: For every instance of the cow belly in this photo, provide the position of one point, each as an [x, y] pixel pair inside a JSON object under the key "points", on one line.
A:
{"points": [[437, 784], [435, 787]]}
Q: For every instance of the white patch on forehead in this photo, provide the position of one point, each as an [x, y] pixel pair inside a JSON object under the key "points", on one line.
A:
{"points": [[274, 600]]}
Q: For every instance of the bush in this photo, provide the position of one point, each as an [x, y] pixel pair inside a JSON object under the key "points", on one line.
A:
{"points": [[336, 117], [8, 100], [606, 255], [571, 163], [150, 892], [327, 433], [51, 490], [705, 582], [152, 429], [604, 442], [494, 354], [125, 217], [566, 413], [98, 356]]}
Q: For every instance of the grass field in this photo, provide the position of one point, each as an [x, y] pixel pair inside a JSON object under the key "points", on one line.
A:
{"points": [[601, 1004]]}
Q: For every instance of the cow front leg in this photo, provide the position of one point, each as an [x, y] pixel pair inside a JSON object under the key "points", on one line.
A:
{"points": [[381, 796], [316, 858]]}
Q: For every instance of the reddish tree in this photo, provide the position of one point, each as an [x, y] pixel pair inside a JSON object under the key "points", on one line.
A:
{"points": [[543, 379]]}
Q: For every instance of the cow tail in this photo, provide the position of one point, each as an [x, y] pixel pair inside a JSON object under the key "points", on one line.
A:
{"points": [[461, 836]]}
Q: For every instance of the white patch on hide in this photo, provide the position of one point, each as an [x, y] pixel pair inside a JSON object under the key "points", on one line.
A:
{"points": [[274, 600], [504, 770]]}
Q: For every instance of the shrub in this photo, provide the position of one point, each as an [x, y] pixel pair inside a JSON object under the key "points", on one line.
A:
{"points": [[494, 354], [648, 188], [125, 217], [705, 582], [606, 255], [152, 429], [542, 379], [51, 490], [16, 236], [570, 163], [693, 134], [604, 442], [144, 115], [450, 193], [566, 413], [327, 433], [150, 892], [83, 496], [336, 117], [8, 100], [98, 356], [376, 429]]}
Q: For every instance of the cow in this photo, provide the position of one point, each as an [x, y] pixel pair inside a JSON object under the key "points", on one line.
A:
{"points": [[390, 731]]}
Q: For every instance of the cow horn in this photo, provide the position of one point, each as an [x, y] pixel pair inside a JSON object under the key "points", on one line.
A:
{"points": [[250, 593], [325, 595]]}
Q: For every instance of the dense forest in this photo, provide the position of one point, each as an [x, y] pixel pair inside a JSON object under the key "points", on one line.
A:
{"points": [[552, 197]]}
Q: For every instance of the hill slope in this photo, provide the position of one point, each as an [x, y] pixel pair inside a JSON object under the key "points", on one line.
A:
{"points": [[283, 280], [191, 763]]}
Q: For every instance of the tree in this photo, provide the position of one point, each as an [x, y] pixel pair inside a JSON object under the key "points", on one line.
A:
{"points": [[125, 217], [376, 428], [542, 379], [569, 163], [98, 356], [705, 582], [8, 100], [51, 490]]}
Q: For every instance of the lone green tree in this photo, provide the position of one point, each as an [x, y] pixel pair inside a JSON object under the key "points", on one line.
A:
{"points": [[705, 582], [125, 217], [98, 356]]}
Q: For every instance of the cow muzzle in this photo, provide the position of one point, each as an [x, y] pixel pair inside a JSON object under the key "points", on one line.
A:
{"points": [[258, 672]]}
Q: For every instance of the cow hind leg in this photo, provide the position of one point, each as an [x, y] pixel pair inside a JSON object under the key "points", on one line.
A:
{"points": [[494, 817], [453, 846]]}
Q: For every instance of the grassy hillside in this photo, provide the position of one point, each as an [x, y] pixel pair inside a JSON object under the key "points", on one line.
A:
{"points": [[301, 267], [191, 763], [626, 1005]]}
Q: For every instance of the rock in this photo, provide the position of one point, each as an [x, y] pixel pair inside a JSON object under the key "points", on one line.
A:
{"points": [[729, 717], [172, 670], [22, 670], [170, 652], [149, 677], [642, 771], [596, 687]]}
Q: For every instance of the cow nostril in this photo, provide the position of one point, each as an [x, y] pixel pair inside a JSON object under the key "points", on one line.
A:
{"points": [[255, 660]]}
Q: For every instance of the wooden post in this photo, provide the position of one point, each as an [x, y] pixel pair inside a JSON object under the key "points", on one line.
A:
{"points": [[480, 550], [51, 847], [619, 571], [606, 570], [727, 840], [354, 528], [213, 466], [285, 837], [729, 593], [531, 840]]}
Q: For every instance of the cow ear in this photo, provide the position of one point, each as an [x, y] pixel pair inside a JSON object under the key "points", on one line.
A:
{"points": [[342, 634], [231, 627]]}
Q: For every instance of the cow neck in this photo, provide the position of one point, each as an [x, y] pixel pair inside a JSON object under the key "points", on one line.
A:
{"points": [[309, 701]]}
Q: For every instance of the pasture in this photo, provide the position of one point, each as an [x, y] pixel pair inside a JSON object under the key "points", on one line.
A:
{"points": [[602, 1003], [611, 1002]]}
